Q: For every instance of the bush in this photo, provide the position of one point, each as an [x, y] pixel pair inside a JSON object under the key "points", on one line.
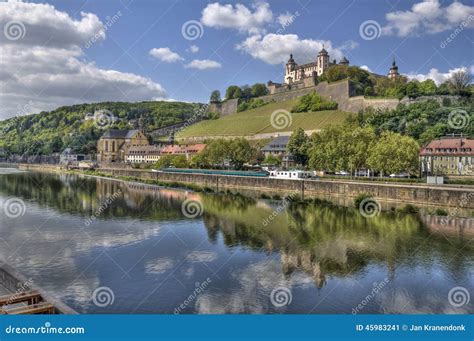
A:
{"points": [[441, 212], [361, 197], [408, 208], [251, 104], [313, 102]]}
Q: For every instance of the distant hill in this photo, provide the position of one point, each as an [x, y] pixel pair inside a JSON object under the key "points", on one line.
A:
{"points": [[258, 121], [75, 126]]}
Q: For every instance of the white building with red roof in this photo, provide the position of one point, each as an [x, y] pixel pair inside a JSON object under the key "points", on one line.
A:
{"points": [[448, 156]]}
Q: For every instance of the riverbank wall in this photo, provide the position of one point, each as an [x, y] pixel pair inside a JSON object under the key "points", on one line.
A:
{"points": [[461, 197]]}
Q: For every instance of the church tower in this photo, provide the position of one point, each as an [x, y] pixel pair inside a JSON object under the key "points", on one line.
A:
{"points": [[322, 61], [290, 70], [393, 73]]}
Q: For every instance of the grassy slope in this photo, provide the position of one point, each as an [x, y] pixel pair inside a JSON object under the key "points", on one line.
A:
{"points": [[257, 121]]}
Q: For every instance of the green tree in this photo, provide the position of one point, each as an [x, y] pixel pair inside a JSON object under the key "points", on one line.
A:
{"points": [[272, 160], [232, 92], [428, 87], [215, 96], [259, 89], [240, 152], [413, 89], [298, 146], [394, 153]]}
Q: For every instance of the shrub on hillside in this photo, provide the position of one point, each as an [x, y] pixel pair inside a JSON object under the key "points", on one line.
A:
{"points": [[251, 104], [313, 102]]}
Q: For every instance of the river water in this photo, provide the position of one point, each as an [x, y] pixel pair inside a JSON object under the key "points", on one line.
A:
{"points": [[106, 246]]}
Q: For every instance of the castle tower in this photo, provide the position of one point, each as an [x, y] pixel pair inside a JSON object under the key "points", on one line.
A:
{"points": [[393, 73], [322, 61], [290, 73], [344, 61]]}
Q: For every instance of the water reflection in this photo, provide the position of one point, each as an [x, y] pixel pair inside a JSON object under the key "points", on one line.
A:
{"points": [[143, 247]]}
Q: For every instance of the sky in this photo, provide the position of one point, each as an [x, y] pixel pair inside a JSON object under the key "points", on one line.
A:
{"points": [[69, 52]]}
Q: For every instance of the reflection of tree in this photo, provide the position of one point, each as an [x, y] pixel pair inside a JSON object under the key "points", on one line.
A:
{"points": [[84, 196], [328, 240]]}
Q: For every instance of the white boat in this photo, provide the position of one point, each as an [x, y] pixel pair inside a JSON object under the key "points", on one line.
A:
{"points": [[290, 174]]}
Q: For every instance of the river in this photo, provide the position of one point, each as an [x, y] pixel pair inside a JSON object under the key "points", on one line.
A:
{"points": [[107, 246]]}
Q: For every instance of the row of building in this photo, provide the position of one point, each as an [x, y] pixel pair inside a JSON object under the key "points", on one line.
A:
{"points": [[450, 155], [132, 146]]}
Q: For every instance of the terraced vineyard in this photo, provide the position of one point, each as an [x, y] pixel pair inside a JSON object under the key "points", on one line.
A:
{"points": [[257, 121]]}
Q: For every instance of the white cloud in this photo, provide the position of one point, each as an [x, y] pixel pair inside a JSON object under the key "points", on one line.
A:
{"points": [[203, 64], [238, 17], [46, 68], [366, 68], [438, 77], [194, 49], [276, 48], [428, 17], [286, 19], [165, 55]]}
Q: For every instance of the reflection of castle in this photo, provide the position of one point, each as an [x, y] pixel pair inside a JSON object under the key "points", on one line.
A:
{"points": [[295, 72]]}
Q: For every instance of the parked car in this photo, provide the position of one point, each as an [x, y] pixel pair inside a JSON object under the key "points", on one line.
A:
{"points": [[342, 173], [400, 175]]}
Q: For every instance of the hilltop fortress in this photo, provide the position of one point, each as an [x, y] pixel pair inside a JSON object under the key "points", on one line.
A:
{"points": [[302, 79]]}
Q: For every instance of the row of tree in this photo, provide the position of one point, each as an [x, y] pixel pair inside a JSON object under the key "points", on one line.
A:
{"points": [[242, 93], [351, 147], [369, 84]]}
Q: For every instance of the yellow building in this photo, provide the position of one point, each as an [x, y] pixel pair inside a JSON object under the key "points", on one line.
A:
{"points": [[114, 144], [448, 156]]}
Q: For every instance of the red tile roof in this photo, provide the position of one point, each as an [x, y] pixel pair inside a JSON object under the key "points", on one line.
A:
{"points": [[449, 146]]}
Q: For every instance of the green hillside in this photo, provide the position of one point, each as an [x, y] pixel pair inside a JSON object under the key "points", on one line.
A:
{"points": [[53, 131], [257, 121]]}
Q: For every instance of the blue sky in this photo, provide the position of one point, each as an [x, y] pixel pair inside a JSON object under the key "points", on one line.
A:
{"points": [[236, 44]]}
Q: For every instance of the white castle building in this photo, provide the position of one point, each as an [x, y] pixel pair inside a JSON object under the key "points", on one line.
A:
{"points": [[295, 72]]}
